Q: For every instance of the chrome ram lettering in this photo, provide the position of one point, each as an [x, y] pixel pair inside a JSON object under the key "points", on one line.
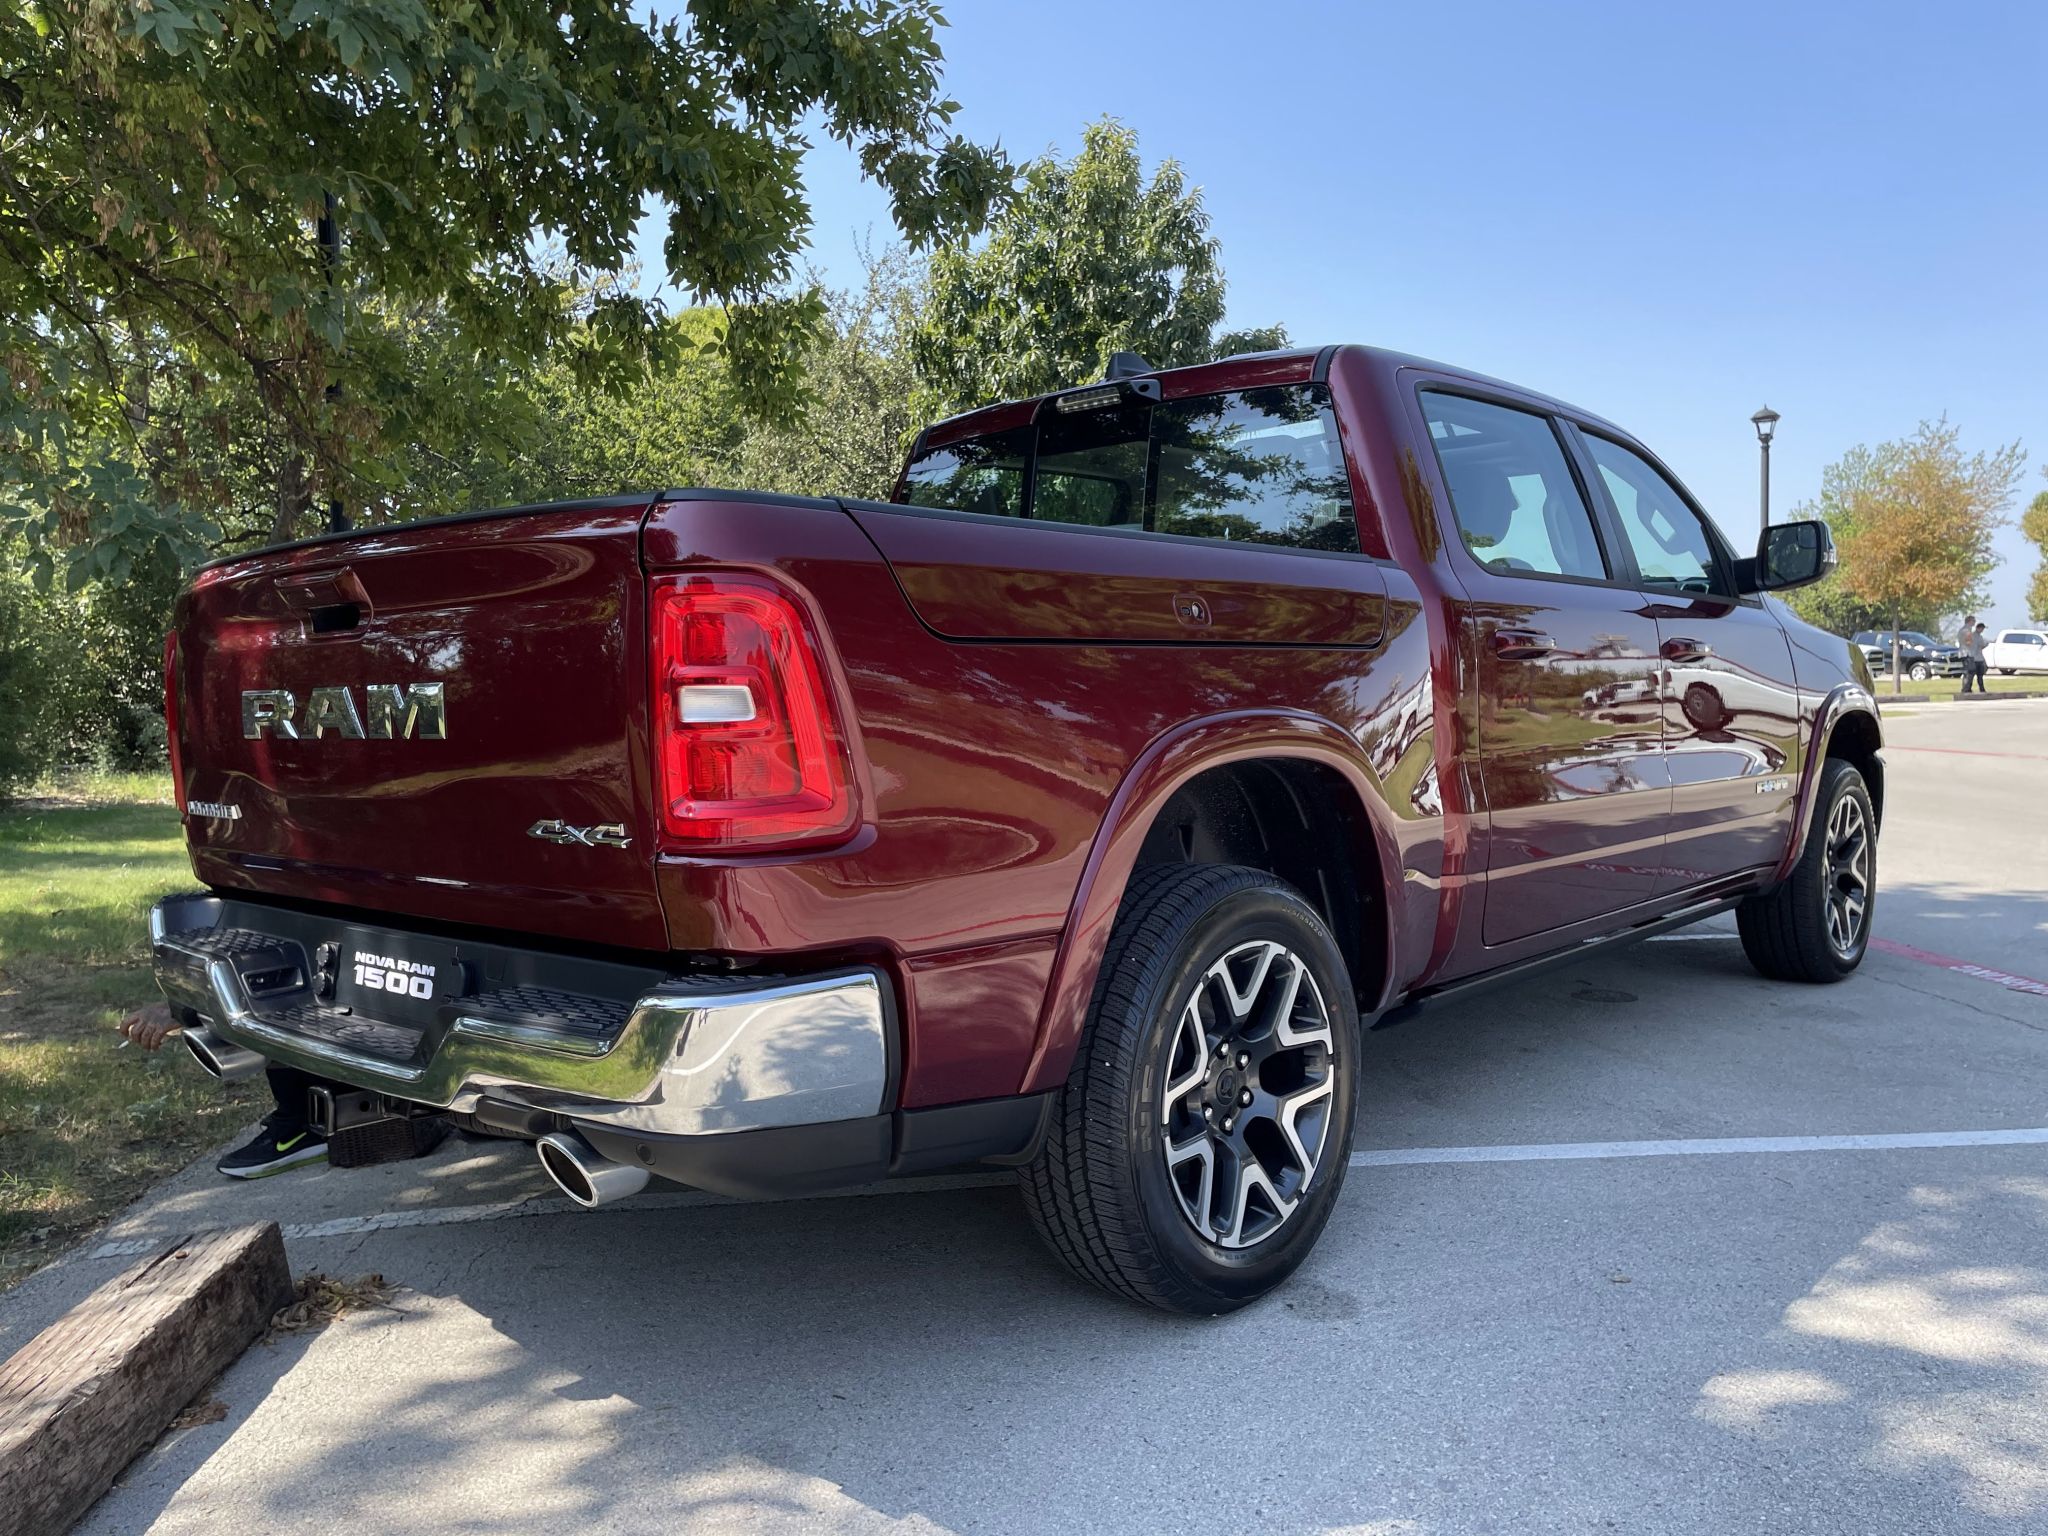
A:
{"points": [[391, 711]]}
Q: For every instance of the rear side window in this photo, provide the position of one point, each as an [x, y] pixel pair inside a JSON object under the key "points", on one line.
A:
{"points": [[976, 474], [1517, 506], [1670, 543], [1258, 466], [1261, 465]]}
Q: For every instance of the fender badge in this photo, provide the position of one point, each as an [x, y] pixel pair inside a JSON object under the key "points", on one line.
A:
{"points": [[213, 810], [610, 834]]}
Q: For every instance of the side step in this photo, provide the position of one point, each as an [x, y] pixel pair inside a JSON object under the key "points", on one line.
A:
{"points": [[1486, 981]]}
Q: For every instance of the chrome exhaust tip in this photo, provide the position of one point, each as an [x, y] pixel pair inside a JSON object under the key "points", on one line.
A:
{"points": [[584, 1174], [221, 1058]]}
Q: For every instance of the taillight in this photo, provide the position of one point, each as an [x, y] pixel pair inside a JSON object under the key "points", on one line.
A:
{"points": [[171, 719], [748, 749]]}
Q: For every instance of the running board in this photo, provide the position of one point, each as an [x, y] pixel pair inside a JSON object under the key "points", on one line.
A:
{"points": [[1486, 981]]}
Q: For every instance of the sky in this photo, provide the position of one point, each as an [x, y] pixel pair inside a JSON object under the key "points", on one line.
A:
{"points": [[1667, 214]]}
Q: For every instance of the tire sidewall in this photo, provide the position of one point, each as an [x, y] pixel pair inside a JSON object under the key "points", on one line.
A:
{"points": [[1267, 911]]}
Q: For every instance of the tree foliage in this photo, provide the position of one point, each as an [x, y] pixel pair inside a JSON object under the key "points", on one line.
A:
{"points": [[1913, 521], [2034, 524], [164, 167], [1089, 259]]}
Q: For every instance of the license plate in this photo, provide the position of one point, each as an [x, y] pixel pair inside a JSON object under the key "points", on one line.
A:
{"points": [[402, 980]]}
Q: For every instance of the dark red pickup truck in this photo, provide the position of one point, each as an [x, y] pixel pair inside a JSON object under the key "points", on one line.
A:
{"points": [[1074, 810]]}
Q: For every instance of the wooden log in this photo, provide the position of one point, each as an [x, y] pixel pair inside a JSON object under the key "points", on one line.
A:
{"points": [[85, 1396]]}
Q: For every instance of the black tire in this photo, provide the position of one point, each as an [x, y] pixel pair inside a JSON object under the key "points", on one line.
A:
{"points": [[1786, 932], [2005, 671], [1099, 1190], [1919, 671]]}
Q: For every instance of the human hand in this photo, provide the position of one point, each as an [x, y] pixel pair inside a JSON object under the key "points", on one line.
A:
{"points": [[148, 1027]]}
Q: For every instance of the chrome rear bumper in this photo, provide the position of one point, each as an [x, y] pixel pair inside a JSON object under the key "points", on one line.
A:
{"points": [[694, 1056]]}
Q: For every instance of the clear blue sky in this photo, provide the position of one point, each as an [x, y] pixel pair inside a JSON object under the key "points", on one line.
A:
{"points": [[1669, 214]]}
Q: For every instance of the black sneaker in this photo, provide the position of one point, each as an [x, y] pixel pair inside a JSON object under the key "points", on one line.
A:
{"points": [[281, 1144]]}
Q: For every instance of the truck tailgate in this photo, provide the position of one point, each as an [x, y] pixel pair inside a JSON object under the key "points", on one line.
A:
{"points": [[320, 765]]}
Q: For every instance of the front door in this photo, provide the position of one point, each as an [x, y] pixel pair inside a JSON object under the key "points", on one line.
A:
{"points": [[1569, 696], [1729, 700]]}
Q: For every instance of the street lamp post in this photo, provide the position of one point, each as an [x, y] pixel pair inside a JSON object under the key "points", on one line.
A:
{"points": [[1766, 422]]}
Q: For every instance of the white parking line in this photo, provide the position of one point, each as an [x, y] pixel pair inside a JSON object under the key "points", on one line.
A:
{"points": [[1714, 1146], [1385, 1157]]}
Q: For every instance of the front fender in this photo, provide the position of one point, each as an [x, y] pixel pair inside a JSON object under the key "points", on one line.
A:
{"points": [[1161, 770], [1844, 700]]}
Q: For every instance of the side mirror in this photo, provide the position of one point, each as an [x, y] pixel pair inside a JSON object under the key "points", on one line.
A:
{"points": [[1788, 555]]}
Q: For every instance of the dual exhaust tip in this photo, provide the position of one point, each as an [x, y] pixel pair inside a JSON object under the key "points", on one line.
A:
{"points": [[585, 1174], [221, 1058], [578, 1169]]}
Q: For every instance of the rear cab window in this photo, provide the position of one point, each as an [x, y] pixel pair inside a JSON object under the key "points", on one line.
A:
{"points": [[1255, 466]]}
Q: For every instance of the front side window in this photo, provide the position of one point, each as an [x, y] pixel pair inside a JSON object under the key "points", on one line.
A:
{"points": [[1670, 543], [1517, 506], [1259, 466]]}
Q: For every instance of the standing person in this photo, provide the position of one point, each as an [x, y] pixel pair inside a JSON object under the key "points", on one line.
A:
{"points": [[1973, 653], [287, 1139]]}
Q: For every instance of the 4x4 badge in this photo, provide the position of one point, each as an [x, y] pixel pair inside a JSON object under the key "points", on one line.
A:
{"points": [[610, 834]]}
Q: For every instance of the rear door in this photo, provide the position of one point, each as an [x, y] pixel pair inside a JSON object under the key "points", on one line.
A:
{"points": [[446, 720], [1728, 695], [1570, 712]]}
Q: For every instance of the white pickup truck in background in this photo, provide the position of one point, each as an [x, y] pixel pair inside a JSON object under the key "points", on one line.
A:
{"points": [[2017, 650]]}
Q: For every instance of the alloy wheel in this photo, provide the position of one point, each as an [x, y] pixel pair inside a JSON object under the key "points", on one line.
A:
{"points": [[1847, 871], [1250, 1083]]}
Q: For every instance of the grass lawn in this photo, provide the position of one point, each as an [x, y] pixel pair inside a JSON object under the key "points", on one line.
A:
{"points": [[1949, 687], [85, 1125]]}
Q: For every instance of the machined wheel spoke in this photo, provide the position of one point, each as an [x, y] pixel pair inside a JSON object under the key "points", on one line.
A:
{"points": [[1248, 1090], [1289, 1120], [1190, 1045], [1252, 1182]]}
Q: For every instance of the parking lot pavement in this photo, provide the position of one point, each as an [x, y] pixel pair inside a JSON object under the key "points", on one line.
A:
{"points": [[1765, 1324]]}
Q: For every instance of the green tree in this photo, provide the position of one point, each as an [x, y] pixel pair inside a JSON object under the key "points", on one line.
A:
{"points": [[171, 174], [1089, 259], [862, 413], [2034, 524], [1915, 519]]}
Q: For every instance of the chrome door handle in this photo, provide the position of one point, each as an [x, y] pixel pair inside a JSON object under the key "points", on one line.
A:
{"points": [[1678, 648], [1522, 644]]}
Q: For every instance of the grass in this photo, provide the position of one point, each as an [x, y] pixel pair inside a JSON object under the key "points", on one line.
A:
{"points": [[1949, 687], [85, 1126]]}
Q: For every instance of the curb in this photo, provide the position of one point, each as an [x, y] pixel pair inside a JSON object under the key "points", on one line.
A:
{"points": [[95, 1389]]}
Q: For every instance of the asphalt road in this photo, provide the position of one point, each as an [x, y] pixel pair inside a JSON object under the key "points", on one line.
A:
{"points": [[1521, 1319]]}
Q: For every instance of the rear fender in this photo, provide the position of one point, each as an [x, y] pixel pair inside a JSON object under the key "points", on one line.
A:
{"points": [[1165, 766]]}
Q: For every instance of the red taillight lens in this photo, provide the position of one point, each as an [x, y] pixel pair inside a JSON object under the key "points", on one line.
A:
{"points": [[748, 749], [171, 719]]}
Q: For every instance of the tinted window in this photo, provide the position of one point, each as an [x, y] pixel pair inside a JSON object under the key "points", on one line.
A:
{"points": [[1671, 546], [1091, 464], [1261, 466], [977, 474], [1517, 505]]}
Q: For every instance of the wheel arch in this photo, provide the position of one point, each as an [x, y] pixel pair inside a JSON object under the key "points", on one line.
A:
{"points": [[1846, 726], [1279, 790]]}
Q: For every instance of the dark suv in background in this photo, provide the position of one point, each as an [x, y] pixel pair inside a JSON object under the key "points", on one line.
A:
{"points": [[1920, 656]]}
